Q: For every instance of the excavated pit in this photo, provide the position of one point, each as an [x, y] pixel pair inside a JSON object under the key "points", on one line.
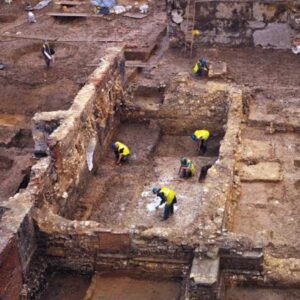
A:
{"points": [[76, 212], [119, 197]]}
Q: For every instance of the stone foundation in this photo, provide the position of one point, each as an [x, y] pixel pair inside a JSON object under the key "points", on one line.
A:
{"points": [[252, 22]]}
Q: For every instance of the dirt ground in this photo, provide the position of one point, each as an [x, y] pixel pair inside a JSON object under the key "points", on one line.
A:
{"points": [[237, 293], [120, 196], [117, 287], [66, 286]]}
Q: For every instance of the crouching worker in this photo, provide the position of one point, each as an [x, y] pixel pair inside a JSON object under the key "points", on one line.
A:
{"points": [[167, 196], [187, 168], [121, 151], [201, 68], [201, 137]]}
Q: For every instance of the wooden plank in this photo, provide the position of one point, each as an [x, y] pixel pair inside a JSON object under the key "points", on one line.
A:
{"points": [[68, 3], [135, 64], [68, 15], [135, 15], [63, 40]]}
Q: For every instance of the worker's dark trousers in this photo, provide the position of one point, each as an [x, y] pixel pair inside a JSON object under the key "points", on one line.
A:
{"points": [[186, 174], [169, 209], [47, 61], [202, 146], [124, 158]]}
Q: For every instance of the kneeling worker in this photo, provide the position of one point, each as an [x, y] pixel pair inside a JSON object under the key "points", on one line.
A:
{"points": [[201, 68], [201, 137], [187, 168], [167, 196], [121, 151]]}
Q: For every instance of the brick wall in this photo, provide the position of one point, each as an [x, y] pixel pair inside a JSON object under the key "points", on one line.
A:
{"points": [[10, 268]]}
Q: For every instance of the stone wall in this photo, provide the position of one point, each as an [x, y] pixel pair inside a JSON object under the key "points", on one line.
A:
{"points": [[236, 22], [187, 105], [86, 247], [63, 139], [87, 126], [17, 244]]}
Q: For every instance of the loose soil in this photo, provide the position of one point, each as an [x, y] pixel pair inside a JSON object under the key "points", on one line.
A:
{"points": [[238, 293], [66, 286]]}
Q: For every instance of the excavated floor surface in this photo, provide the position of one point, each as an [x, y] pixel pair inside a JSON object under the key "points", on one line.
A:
{"points": [[120, 196], [272, 211], [68, 286], [265, 294], [116, 287]]}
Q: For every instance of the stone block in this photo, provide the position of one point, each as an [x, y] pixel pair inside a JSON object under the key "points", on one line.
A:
{"points": [[205, 272], [252, 150], [263, 171], [257, 24], [54, 251], [217, 69]]}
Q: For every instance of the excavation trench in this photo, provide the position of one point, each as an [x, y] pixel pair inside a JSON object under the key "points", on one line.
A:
{"points": [[98, 218]]}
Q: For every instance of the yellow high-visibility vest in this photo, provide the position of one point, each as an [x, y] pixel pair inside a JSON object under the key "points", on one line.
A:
{"points": [[202, 134], [191, 166], [196, 68], [121, 146], [169, 194]]}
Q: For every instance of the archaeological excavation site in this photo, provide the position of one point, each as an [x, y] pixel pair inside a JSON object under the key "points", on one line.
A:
{"points": [[101, 102]]}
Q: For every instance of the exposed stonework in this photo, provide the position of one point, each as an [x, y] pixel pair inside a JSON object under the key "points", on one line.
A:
{"points": [[263, 171], [252, 22]]}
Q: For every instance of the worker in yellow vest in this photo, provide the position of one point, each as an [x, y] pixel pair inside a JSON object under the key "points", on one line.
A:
{"points": [[121, 151], [187, 168], [201, 68], [168, 197], [201, 136]]}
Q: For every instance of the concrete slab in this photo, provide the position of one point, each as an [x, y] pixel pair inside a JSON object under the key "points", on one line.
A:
{"points": [[253, 150], [217, 69], [263, 171]]}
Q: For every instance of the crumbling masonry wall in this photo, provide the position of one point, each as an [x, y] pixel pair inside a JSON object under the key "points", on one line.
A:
{"points": [[235, 22], [64, 137], [87, 126], [186, 106]]}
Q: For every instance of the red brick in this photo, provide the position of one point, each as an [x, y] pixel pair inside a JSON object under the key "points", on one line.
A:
{"points": [[10, 271], [112, 242]]}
